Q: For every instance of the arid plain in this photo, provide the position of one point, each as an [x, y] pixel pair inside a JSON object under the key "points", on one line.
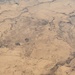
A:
{"points": [[37, 37]]}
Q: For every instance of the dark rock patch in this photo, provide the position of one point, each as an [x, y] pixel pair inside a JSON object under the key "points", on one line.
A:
{"points": [[18, 44], [27, 39]]}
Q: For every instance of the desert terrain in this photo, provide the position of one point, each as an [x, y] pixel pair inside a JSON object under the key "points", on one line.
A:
{"points": [[37, 37]]}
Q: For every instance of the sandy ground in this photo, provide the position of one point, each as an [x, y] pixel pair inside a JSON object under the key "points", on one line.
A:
{"points": [[37, 37]]}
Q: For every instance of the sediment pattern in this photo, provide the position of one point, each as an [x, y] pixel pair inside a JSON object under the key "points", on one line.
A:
{"points": [[37, 37]]}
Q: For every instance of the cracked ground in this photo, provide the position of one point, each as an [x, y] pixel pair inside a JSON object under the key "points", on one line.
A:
{"points": [[37, 37]]}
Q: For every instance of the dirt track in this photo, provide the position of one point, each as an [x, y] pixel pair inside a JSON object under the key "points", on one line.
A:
{"points": [[37, 37]]}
